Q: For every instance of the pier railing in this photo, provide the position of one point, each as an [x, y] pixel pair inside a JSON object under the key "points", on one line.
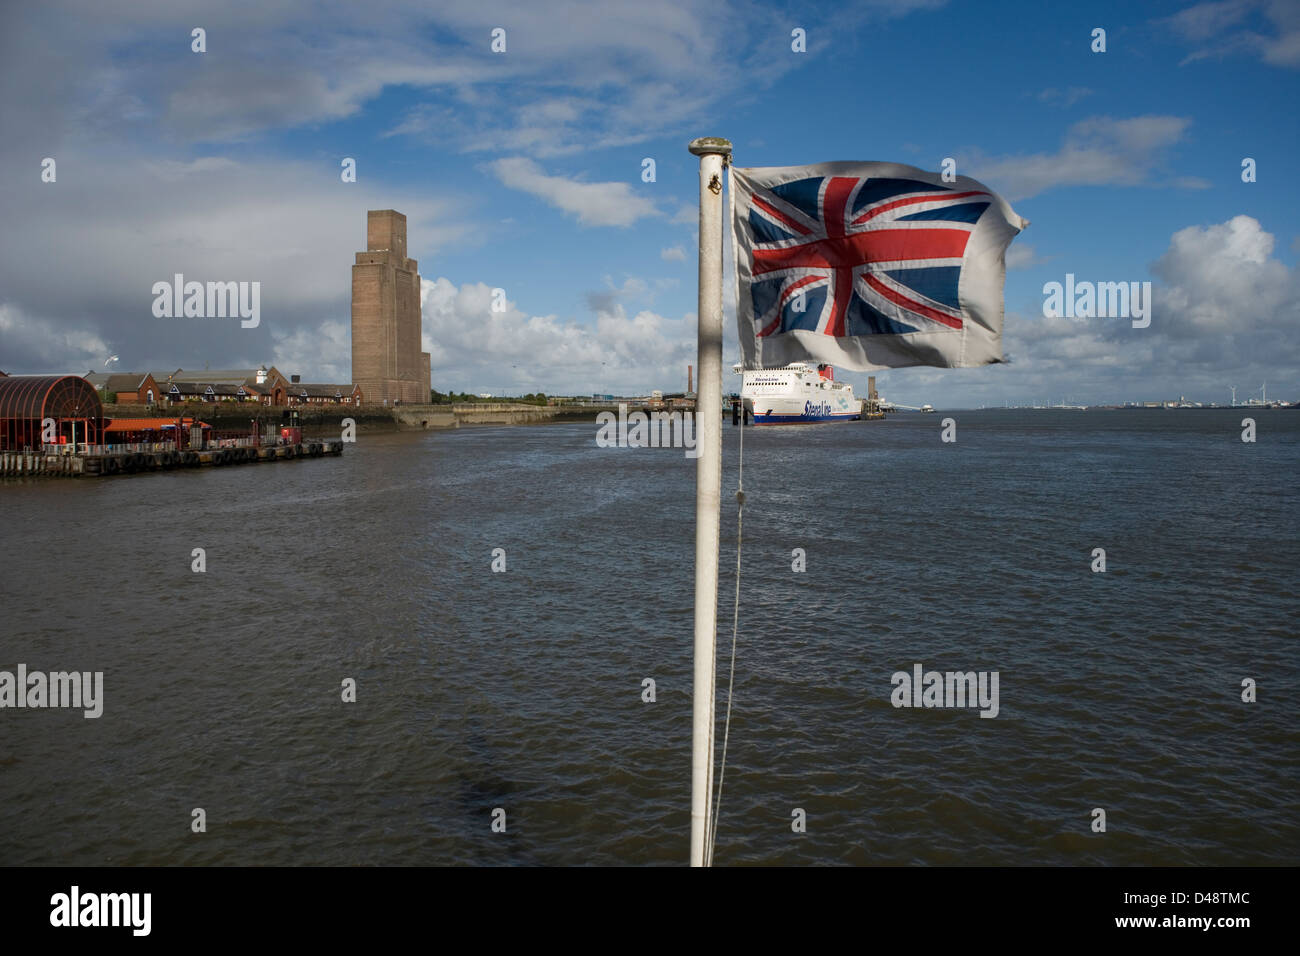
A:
{"points": [[116, 448], [130, 457], [133, 447]]}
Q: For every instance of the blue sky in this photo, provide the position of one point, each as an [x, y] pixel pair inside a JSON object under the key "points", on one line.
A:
{"points": [[522, 171]]}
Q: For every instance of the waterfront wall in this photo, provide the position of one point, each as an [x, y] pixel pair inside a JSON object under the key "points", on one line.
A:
{"points": [[488, 413], [327, 420]]}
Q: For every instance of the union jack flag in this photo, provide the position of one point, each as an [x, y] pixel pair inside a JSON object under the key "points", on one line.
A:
{"points": [[868, 265]]}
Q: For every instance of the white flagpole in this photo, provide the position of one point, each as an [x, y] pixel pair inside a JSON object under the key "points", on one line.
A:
{"points": [[708, 483]]}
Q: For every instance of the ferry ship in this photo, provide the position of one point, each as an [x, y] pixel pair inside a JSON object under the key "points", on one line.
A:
{"points": [[796, 394]]}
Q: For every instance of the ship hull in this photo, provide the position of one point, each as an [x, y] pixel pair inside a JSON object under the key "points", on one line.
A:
{"points": [[802, 419], [798, 395]]}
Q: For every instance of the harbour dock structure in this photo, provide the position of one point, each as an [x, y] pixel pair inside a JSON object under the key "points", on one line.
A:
{"points": [[55, 425], [123, 462]]}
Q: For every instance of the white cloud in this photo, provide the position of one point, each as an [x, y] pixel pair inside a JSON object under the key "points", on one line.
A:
{"points": [[1096, 151], [1021, 256], [1224, 313], [1064, 98], [607, 299], [578, 74], [1220, 30], [686, 215], [127, 221], [673, 254], [1204, 20], [321, 353], [593, 204], [1223, 307], [475, 349], [1222, 279]]}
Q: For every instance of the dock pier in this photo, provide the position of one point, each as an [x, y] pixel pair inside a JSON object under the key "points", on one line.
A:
{"points": [[24, 464]]}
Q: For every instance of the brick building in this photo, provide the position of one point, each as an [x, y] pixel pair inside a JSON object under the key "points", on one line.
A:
{"points": [[387, 364], [131, 388], [266, 386], [325, 394]]}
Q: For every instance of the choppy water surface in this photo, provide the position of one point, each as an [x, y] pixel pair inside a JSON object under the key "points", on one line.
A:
{"points": [[522, 690]]}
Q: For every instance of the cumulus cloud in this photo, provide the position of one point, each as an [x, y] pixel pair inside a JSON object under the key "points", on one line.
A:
{"points": [[592, 204], [1223, 279], [1222, 305], [1224, 310], [474, 348], [673, 254], [321, 352]]}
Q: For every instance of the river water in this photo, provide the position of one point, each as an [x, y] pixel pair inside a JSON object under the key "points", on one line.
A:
{"points": [[522, 690]]}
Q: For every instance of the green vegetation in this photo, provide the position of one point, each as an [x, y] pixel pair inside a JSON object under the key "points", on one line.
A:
{"points": [[452, 398]]}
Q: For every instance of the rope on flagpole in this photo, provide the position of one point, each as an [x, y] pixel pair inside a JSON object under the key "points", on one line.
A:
{"points": [[735, 628]]}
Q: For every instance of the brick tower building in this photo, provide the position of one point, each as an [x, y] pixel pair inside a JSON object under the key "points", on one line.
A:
{"points": [[386, 359]]}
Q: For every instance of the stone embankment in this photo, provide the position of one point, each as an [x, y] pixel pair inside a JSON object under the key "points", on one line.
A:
{"points": [[327, 420]]}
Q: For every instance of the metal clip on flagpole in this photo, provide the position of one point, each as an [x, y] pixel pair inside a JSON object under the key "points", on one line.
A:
{"points": [[714, 153]]}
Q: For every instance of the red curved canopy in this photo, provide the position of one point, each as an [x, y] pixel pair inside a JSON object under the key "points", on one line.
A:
{"points": [[26, 400], [48, 396]]}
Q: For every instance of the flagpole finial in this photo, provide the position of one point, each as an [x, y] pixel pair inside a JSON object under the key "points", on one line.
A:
{"points": [[707, 145]]}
